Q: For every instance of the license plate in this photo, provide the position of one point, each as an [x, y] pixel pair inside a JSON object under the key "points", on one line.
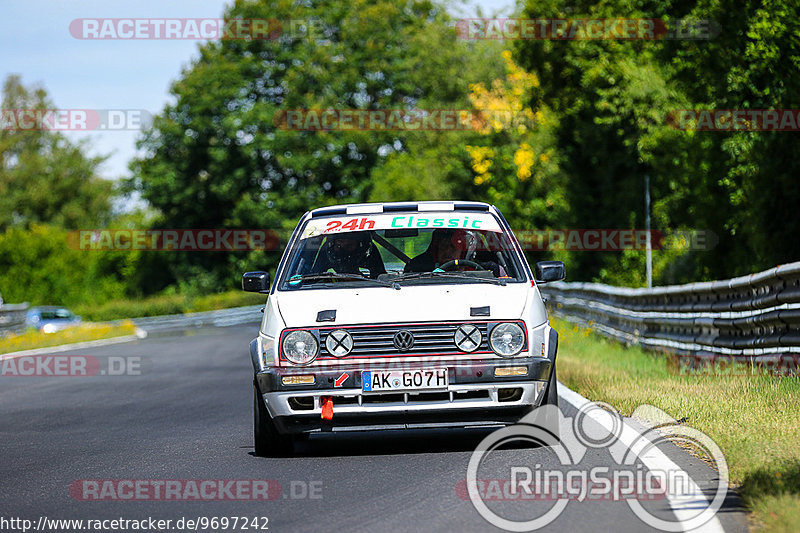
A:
{"points": [[403, 380]]}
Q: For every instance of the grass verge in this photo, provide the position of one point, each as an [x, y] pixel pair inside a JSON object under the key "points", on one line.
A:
{"points": [[171, 304], [33, 339], [754, 419]]}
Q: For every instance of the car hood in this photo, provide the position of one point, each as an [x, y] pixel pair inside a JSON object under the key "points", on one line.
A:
{"points": [[419, 303]]}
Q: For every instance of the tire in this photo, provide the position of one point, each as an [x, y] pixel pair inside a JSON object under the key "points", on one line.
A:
{"points": [[552, 389], [551, 422], [268, 442], [548, 419]]}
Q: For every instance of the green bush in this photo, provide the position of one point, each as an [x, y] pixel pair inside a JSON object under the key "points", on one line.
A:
{"points": [[39, 266], [116, 309], [167, 304]]}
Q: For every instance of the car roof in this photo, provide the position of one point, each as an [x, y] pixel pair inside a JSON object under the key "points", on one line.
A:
{"points": [[393, 207]]}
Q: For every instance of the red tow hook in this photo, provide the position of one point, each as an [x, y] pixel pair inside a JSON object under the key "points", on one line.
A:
{"points": [[327, 407]]}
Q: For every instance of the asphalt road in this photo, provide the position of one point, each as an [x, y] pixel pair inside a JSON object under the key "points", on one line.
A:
{"points": [[188, 416]]}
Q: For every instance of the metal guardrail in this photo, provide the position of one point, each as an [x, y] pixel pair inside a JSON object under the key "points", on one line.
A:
{"points": [[223, 317], [753, 318], [12, 318]]}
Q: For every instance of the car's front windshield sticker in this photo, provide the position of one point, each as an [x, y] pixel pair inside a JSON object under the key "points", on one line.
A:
{"points": [[474, 221]]}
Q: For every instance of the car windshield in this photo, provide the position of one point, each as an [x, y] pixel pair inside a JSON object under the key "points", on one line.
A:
{"points": [[55, 314], [398, 249]]}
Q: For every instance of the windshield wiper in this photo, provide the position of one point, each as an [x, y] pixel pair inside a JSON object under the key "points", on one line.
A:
{"points": [[299, 278], [444, 273]]}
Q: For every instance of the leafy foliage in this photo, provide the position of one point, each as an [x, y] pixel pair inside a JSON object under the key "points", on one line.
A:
{"points": [[38, 265], [571, 129], [218, 157], [44, 178], [612, 99]]}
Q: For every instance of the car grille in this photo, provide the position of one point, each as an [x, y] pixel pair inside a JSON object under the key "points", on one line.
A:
{"points": [[429, 339]]}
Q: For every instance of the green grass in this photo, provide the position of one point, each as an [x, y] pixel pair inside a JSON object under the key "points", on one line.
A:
{"points": [[171, 304], [754, 419], [32, 339]]}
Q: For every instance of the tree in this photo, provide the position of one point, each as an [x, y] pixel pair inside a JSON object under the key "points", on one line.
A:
{"points": [[218, 156], [44, 178], [37, 266], [612, 100]]}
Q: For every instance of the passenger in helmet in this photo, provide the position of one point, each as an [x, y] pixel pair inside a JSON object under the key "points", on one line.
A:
{"points": [[349, 253]]}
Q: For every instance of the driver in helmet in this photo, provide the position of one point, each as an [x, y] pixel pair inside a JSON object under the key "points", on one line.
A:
{"points": [[448, 245], [348, 253]]}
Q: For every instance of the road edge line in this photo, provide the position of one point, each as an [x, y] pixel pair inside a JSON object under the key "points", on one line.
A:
{"points": [[655, 459]]}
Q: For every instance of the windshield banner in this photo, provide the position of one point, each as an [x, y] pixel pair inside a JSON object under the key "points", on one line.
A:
{"points": [[400, 221]]}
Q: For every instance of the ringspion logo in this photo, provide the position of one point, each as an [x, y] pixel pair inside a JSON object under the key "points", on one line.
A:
{"points": [[565, 479]]}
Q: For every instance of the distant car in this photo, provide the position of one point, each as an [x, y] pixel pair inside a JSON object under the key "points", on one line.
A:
{"points": [[50, 319], [400, 316]]}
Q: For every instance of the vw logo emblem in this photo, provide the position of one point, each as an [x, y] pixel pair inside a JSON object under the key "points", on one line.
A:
{"points": [[339, 343], [403, 340], [468, 338]]}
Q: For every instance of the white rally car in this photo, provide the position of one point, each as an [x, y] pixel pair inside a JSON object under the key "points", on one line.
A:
{"points": [[400, 315]]}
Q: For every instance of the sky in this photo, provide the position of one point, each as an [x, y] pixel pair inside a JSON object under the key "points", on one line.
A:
{"points": [[78, 74]]}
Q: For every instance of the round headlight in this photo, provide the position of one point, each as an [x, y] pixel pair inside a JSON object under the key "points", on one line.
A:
{"points": [[300, 347], [507, 339]]}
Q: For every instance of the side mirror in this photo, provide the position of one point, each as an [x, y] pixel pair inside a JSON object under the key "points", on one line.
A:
{"points": [[255, 282], [550, 271]]}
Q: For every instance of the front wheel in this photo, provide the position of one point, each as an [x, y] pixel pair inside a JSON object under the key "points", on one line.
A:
{"points": [[550, 420], [546, 416], [552, 389], [268, 442]]}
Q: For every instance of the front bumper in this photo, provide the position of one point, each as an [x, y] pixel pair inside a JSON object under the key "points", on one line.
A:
{"points": [[474, 397]]}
